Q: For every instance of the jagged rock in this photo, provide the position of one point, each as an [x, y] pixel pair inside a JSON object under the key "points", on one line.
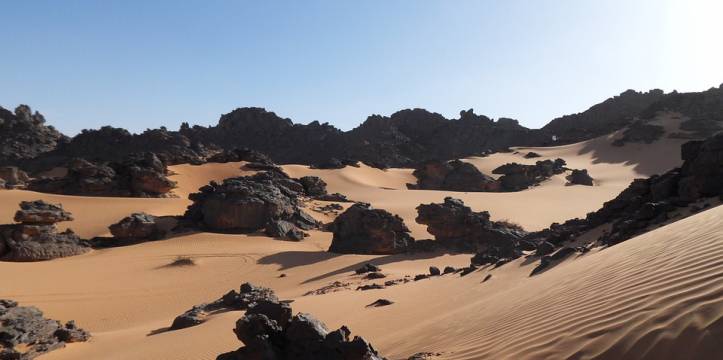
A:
{"points": [[139, 175], [26, 334], [12, 177], [516, 177], [251, 203], [247, 296], [457, 227], [380, 303], [313, 185], [269, 332], [580, 177], [363, 230], [142, 226], [24, 135], [36, 238], [454, 175]]}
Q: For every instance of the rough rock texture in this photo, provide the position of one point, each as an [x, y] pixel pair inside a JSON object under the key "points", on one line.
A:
{"points": [[36, 238], [270, 332], [13, 178], [580, 177], [247, 296], [139, 175], [651, 201], [142, 226], [250, 203], [242, 154], [313, 185], [455, 226], [363, 230], [453, 175], [24, 135], [516, 177], [26, 334]]}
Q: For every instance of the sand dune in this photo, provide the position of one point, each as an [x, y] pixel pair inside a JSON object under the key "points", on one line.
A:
{"points": [[657, 296]]}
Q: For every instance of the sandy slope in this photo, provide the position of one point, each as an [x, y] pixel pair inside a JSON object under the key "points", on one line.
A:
{"points": [[654, 296]]}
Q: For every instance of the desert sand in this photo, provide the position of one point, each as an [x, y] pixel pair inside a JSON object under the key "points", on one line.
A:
{"points": [[657, 296]]}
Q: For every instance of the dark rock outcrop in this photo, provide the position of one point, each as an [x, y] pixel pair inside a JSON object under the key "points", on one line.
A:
{"points": [[516, 177], [25, 333], [36, 238], [580, 177], [270, 332], [140, 175], [453, 175], [456, 227], [364, 230], [251, 203], [24, 135], [640, 132], [142, 226]]}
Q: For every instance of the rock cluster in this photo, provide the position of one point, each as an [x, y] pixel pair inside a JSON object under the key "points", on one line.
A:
{"points": [[640, 132], [364, 230], [13, 178], [140, 175], [580, 177], [26, 334], [24, 135], [269, 331], [242, 154], [334, 163], [266, 200], [452, 175], [516, 177], [36, 238], [455, 226]]}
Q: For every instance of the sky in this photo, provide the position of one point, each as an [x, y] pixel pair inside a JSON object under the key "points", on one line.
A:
{"points": [[145, 64]]}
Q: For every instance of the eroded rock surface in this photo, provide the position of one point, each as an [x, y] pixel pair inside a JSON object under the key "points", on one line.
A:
{"points": [[364, 230]]}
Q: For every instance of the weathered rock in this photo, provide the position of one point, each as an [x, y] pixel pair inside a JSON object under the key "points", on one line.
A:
{"points": [[640, 132], [363, 230], [531, 155], [284, 230], [142, 226], [516, 177], [457, 227], [368, 268], [26, 334], [242, 154], [454, 175], [36, 238], [434, 271], [13, 178], [313, 186], [580, 177], [24, 135], [251, 203]]}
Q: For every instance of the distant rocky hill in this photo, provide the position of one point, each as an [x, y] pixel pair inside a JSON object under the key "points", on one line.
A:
{"points": [[406, 138]]}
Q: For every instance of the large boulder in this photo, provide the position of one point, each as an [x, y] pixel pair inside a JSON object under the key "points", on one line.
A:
{"points": [[457, 227], [313, 185], [453, 175], [364, 230], [36, 238], [25, 333], [516, 177], [249, 203], [142, 226], [580, 177]]}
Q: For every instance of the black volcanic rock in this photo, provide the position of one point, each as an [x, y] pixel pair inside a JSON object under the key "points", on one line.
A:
{"points": [[516, 177], [580, 177], [363, 230], [455, 226], [453, 175], [24, 135], [25, 333], [36, 238], [250, 203], [139, 175]]}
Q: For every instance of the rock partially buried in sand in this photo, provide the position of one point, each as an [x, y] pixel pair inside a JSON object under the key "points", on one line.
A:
{"points": [[26, 334], [36, 238], [580, 177], [269, 332], [453, 175], [142, 226], [363, 230]]}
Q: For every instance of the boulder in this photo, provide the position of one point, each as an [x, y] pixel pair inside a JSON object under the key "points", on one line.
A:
{"points": [[580, 177], [454, 175], [142, 226], [25, 333], [313, 186], [39, 212], [516, 177], [364, 230]]}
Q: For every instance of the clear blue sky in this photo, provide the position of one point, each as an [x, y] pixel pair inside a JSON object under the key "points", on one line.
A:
{"points": [[141, 64]]}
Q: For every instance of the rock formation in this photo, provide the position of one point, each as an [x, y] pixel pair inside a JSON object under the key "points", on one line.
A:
{"points": [[24, 135], [516, 177], [36, 238], [269, 331], [580, 177], [456, 227], [266, 200], [142, 226], [26, 334], [139, 175], [640, 132], [452, 175], [13, 178], [364, 230]]}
